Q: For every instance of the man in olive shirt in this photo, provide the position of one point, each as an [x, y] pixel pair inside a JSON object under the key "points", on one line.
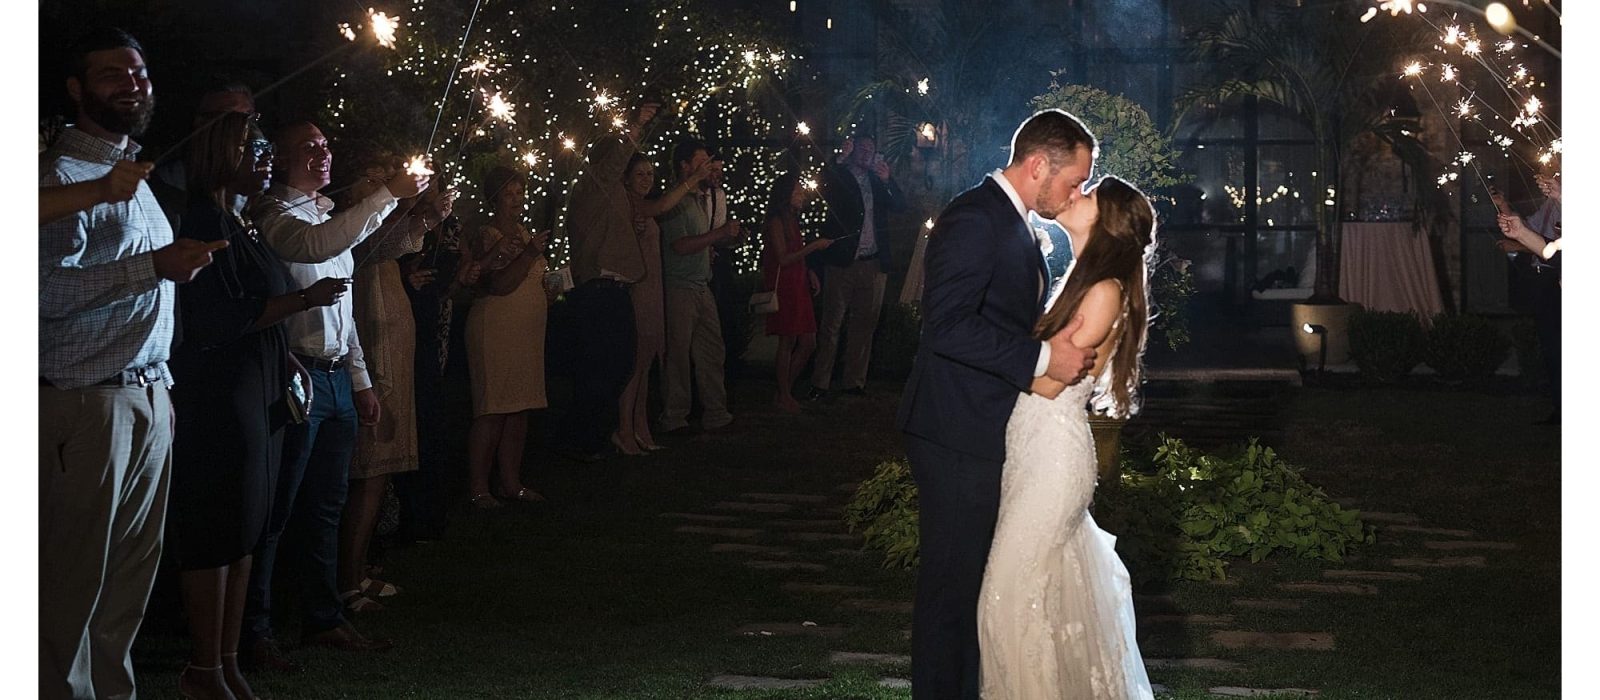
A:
{"points": [[694, 333]]}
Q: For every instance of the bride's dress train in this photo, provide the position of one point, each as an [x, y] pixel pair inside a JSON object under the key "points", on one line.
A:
{"points": [[1055, 619]]}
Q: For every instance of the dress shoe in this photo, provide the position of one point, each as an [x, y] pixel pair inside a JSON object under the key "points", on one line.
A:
{"points": [[346, 638], [815, 394], [266, 655]]}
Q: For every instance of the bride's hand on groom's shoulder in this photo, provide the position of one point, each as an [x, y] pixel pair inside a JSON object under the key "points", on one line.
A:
{"points": [[1047, 387]]}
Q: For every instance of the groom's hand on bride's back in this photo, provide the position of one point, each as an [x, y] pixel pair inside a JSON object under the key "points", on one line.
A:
{"points": [[1069, 363]]}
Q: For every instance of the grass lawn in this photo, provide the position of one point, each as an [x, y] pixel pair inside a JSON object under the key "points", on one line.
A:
{"points": [[596, 595]]}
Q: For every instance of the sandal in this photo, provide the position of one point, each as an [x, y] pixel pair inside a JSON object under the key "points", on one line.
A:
{"points": [[373, 588], [523, 494], [484, 501], [356, 602]]}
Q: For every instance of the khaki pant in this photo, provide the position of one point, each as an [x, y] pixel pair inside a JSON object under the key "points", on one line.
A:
{"points": [[694, 337], [855, 291], [104, 458]]}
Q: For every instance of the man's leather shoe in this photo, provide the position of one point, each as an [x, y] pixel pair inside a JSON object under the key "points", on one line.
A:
{"points": [[346, 638], [266, 655], [816, 394]]}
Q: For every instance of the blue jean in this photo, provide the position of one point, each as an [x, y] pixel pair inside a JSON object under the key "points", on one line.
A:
{"points": [[312, 485]]}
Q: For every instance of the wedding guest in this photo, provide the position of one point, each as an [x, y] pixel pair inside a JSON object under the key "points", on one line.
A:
{"points": [[784, 271], [694, 331], [118, 185], [295, 222], [606, 261], [233, 405], [860, 194], [649, 312], [106, 299], [169, 181], [388, 339], [1540, 235], [505, 340], [436, 279]]}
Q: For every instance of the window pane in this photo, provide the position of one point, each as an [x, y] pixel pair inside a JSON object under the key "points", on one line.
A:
{"points": [[1216, 194], [1285, 180], [1126, 24], [1208, 252], [1227, 124], [1139, 82], [1282, 258], [1277, 124]]}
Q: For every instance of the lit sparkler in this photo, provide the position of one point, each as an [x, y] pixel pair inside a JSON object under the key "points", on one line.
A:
{"points": [[1413, 69], [500, 109], [922, 86], [927, 131], [568, 143], [383, 27], [1472, 48], [418, 165], [603, 99], [750, 57], [531, 158], [1464, 108], [347, 31], [479, 66], [809, 183], [618, 122], [803, 128], [1449, 73]]}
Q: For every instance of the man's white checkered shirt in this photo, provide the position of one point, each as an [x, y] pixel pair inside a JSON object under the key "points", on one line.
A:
{"points": [[102, 309]]}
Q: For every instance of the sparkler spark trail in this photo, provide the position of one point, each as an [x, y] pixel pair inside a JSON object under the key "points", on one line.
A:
{"points": [[501, 110], [383, 27], [1413, 69], [418, 165], [922, 86], [347, 31], [603, 99], [1449, 73], [568, 143], [531, 158], [803, 128]]}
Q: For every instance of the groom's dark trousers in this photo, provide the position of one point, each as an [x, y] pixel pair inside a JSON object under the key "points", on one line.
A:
{"points": [[984, 281]]}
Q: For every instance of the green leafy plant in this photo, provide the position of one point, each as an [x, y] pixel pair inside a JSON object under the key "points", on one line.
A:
{"points": [[1464, 347], [1131, 147], [894, 346], [1386, 345], [884, 508], [1182, 514]]}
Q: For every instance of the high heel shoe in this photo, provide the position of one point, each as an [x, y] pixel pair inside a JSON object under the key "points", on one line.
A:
{"points": [[648, 445]]}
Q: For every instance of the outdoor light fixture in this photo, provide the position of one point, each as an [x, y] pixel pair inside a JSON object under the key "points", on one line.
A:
{"points": [[1322, 343]]}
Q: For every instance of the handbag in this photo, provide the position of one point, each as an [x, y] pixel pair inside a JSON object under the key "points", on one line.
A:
{"points": [[767, 302]]}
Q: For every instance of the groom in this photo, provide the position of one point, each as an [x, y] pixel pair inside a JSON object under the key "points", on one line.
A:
{"points": [[985, 286]]}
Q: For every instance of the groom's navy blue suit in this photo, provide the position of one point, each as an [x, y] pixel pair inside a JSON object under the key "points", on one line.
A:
{"points": [[983, 293]]}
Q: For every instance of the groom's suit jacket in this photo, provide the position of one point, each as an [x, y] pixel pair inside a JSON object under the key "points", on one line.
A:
{"points": [[983, 292]]}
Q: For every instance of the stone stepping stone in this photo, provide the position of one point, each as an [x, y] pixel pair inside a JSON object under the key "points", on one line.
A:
{"points": [[764, 683], [1313, 587], [820, 537], [735, 548], [1229, 691], [1295, 641], [1186, 619], [1193, 664], [1440, 563], [753, 507], [823, 588], [1229, 582], [699, 518], [1268, 604], [1154, 601], [1459, 545], [820, 524], [862, 658], [1434, 531], [784, 497], [1159, 689], [878, 606], [1373, 516], [735, 532], [790, 629], [768, 565], [1347, 575], [894, 683], [853, 553]]}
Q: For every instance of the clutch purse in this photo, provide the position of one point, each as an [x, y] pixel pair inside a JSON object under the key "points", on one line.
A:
{"points": [[764, 302]]}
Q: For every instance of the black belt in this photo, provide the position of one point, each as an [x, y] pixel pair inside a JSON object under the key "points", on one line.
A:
{"points": [[605, 283], [318, 363], [139, 376]]}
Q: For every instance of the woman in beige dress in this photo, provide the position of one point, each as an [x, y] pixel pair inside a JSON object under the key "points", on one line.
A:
{"points": [[505, 340], [649, 300], [388, 340]]}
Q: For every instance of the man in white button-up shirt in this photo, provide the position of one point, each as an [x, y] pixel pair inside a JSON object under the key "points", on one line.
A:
{"points": [[295, 222]]}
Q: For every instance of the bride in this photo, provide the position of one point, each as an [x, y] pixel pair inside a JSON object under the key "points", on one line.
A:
{"points": [[1055, 618]]}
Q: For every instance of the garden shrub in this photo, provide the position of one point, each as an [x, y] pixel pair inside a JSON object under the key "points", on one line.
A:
{"points": [[1386, 345], [1464, 347], [1184, 516]]}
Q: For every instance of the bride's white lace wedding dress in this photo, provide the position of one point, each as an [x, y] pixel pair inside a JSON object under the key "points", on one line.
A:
{"points": [[1055, 619]]}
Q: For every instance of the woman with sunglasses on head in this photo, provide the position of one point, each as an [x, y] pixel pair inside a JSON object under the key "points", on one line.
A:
{"points": [[231, 400]]}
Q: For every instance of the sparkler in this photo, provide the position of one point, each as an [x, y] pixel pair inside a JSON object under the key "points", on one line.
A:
{"points": [[347, 31], [383, 27], [922, 87], [418, 165], [803, 128], [501, 110], [531, 158]]}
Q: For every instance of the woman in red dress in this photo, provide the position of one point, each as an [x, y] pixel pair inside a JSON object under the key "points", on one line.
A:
{"points": [[784, 268]]}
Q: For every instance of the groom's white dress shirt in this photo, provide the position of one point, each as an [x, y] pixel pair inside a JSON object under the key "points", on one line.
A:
{"points": [[1022, 213]]}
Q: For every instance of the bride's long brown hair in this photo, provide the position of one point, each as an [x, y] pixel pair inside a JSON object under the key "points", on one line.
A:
{"points": [[1118, 246]]}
